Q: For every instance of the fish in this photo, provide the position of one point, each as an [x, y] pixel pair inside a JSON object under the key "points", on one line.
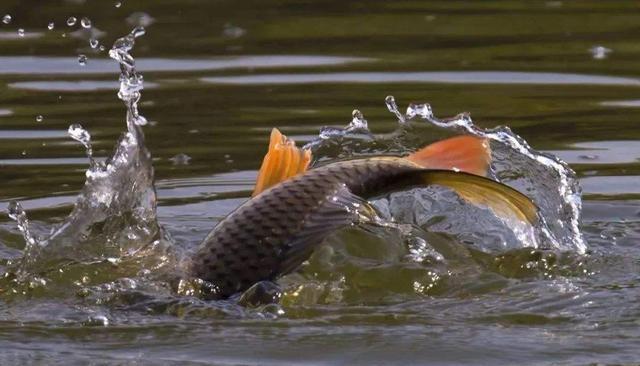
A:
{"points": [[293, 208]]}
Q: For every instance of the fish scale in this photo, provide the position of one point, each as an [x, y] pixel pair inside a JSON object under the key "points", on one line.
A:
{"points": [[252, 242]]}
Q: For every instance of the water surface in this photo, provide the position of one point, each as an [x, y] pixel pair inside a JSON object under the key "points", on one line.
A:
{"points": [[220, 75]]}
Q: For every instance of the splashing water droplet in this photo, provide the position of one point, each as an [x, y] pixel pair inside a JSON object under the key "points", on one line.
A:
{"points": [[233, 31], [21, 32], [421, 110], [51, 25], [600, 52], [17, 213], [39, 118], [82, 60], [180, 159], [6, 19], [94, 43], [358, 121], [118, 4], [102, 48], [131, 83], [78, 133], [85, 22], [71, 21], [390, 101]]}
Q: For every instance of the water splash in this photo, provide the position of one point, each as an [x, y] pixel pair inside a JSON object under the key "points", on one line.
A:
{"points": [[549, 181], [115, 213], [17, 213]]}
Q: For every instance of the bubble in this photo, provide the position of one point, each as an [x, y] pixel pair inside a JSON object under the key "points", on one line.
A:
{"points": [[71, 21], [6, 19], [85, 22], [51, 26], [21, 32], [39, 118], [82, 60]]}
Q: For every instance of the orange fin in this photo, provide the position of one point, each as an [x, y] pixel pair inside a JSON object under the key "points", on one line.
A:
{"points": [[283, 161], [469, 154]]}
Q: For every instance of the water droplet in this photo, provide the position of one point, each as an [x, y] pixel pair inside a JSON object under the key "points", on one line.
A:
{"points": [[78, 133], [180, 159], [39, 118], [233, 31], [6, 19], [51, 25], [390, 101], [101, 48], [71, 21], [21, 32], [600, 52], [82, 60], [24, 152], [358, 121], [118, 4], [94, 43], [85, 22], [421, 110]]}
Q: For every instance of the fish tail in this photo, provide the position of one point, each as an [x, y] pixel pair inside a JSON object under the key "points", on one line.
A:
{"points": [[282, 161], [464, 153]]}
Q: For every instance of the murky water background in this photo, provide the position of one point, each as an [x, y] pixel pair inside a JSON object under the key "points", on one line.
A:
{"points": [[219, 76]]}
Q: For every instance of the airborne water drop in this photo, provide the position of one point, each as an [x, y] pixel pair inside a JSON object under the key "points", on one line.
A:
{"points": [[71, 21], [85, 22], [6, 19]]}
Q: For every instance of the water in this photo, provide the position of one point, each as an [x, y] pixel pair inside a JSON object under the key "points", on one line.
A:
{"points": [[99, 288]]}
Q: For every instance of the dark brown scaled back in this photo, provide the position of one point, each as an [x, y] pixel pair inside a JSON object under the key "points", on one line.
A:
{"points": [[252, 243]]}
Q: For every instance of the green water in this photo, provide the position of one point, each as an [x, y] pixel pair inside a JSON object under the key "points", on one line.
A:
{"points": [[208, 96]]}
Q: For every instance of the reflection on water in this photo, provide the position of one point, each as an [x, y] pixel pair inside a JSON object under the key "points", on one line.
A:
{"points": [[612, 185], [601, 152], [65, 65], [68, 86], [622, 103], [456, 77]]}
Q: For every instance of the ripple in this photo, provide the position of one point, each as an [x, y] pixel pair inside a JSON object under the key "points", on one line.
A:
{"points": [[69, 65], [448, 77], [622, 103], [15, 36], [31, 134], [611, 185], [46, 161], [83, 85], [601, 152]]}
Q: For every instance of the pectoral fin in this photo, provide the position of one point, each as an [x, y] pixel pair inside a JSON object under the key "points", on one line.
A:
{"points": [[341, 209]]}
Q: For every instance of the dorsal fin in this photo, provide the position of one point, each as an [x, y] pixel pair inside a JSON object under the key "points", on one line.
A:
{"points": [[468, 154], [282, 161]]}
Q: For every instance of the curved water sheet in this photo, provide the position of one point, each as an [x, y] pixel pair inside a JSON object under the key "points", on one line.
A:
{"points": [[112, 231], [546, 179]]}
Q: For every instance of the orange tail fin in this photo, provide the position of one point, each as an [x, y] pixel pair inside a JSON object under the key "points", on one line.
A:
{"points": [[465, 153], [283, 161]]}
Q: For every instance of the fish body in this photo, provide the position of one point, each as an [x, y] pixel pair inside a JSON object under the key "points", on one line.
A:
{"points": [[275, 231]]}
